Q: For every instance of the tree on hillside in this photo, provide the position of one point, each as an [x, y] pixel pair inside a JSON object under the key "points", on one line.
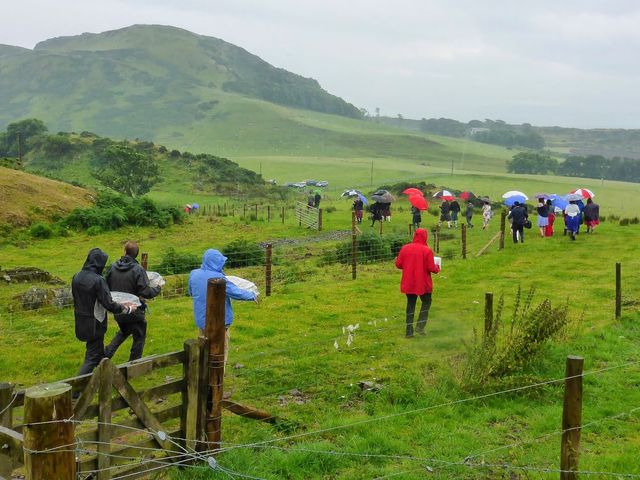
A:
{"points": [[19, 133], [127, 171], [532, 162]]}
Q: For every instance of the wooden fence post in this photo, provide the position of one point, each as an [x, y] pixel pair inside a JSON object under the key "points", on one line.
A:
{"points": [[354, 252], [192, 412], [488, 313], [618, 290], [256, 212], [283, 215], [571, 419], [6, 420], [46, 407], [268, 213], [319, 219], [105, 389], [215, 335], [463, 234], [381, 227], [267, 270], [225, 209], [144, 260], [503, 226], [410, 229], [244, 212], [437, 239]]}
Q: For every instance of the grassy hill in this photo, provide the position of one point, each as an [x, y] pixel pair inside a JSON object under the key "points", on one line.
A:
{"points": [[202, 94], [25, 197], [133, 81]]}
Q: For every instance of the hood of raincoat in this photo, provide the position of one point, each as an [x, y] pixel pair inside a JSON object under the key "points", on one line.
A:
{"points": [[125, 263], [213, 260], [420, 236], [96, 260]]}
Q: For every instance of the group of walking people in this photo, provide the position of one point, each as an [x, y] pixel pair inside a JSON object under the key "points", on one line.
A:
{"points": [[92, 299], [574, 214]]}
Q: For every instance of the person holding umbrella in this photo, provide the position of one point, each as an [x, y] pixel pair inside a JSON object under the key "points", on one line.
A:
{"points": [[543, 216], [572, 219], [455, 210], [519, 217], [358, 207], [591, 215], [418, 203], [417, 263], [445, 213]]}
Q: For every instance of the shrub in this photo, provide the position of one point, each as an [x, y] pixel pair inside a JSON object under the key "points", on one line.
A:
{"points": [[634, 221], [113, 211], [95, 230], [614, 218], [624, 222], [41, 230], [241, 253], [370, 248], [329, 209], [501, 353], [174, 262], [448, 254]]}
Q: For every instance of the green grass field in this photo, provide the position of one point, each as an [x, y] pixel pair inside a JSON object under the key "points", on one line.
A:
{"points": [[287, 342]]}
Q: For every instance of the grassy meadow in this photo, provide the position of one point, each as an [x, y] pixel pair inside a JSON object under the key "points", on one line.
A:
{"points": [[285, 346]]}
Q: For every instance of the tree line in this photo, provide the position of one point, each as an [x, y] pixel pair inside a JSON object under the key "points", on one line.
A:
{"points": [[128, 167], [589, 166]]}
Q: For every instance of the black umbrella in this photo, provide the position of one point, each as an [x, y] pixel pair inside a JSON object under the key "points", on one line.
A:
{"points": [[383, 196]]}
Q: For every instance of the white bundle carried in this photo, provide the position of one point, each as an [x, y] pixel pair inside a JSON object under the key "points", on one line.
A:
{"points": [[155, 279], [243, 283], [123, 297]]}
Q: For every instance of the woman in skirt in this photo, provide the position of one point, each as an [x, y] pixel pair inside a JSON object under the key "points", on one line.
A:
{"points": [[543, 214]]}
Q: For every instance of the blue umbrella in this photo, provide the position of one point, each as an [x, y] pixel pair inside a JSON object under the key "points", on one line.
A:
{"points": [[513, 199], [195, 206], [363, 198], [559, 202]]}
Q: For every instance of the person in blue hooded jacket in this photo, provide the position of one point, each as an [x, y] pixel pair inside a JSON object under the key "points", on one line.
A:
{"points": [[212, 264]]}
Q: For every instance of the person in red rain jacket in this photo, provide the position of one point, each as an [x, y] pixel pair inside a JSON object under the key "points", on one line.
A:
{"points": [[417, 264]]}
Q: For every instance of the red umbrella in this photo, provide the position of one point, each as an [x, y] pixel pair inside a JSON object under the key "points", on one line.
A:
{"points": [[467, 195], [585, 192], [419, 202], [413, 191]]}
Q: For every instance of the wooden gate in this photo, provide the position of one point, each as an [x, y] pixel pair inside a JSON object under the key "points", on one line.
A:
{"points": [[115, 422]]}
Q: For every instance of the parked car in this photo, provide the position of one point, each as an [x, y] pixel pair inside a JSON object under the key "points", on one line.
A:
{"points": [[322, 184]]}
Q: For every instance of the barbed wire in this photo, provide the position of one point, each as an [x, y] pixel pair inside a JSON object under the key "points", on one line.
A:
{"points": [[433, 407]]}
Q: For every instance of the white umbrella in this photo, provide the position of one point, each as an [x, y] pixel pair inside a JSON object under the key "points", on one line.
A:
{"points": [[513, 193]]}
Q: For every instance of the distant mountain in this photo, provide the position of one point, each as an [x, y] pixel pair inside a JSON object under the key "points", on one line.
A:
{"points": [[146, 80]]}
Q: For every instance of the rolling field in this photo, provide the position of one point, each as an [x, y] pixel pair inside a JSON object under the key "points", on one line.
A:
{"points": [[285, 344]]}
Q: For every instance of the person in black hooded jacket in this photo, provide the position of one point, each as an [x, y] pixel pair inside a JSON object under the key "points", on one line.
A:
{"points": [[127, 275], [91, 301]]}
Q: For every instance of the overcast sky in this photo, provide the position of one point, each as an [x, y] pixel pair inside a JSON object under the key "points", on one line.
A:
{"points": [[547, 62]]}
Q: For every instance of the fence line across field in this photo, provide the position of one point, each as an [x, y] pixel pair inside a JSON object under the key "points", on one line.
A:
{"points": [[409, 412]]}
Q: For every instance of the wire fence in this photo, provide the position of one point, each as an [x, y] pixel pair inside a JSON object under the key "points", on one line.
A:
{"points": [[157, 459]]}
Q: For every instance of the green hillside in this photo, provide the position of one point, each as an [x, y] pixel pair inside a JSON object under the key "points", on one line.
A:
{"points": [[202, 94], [137, 80]]}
